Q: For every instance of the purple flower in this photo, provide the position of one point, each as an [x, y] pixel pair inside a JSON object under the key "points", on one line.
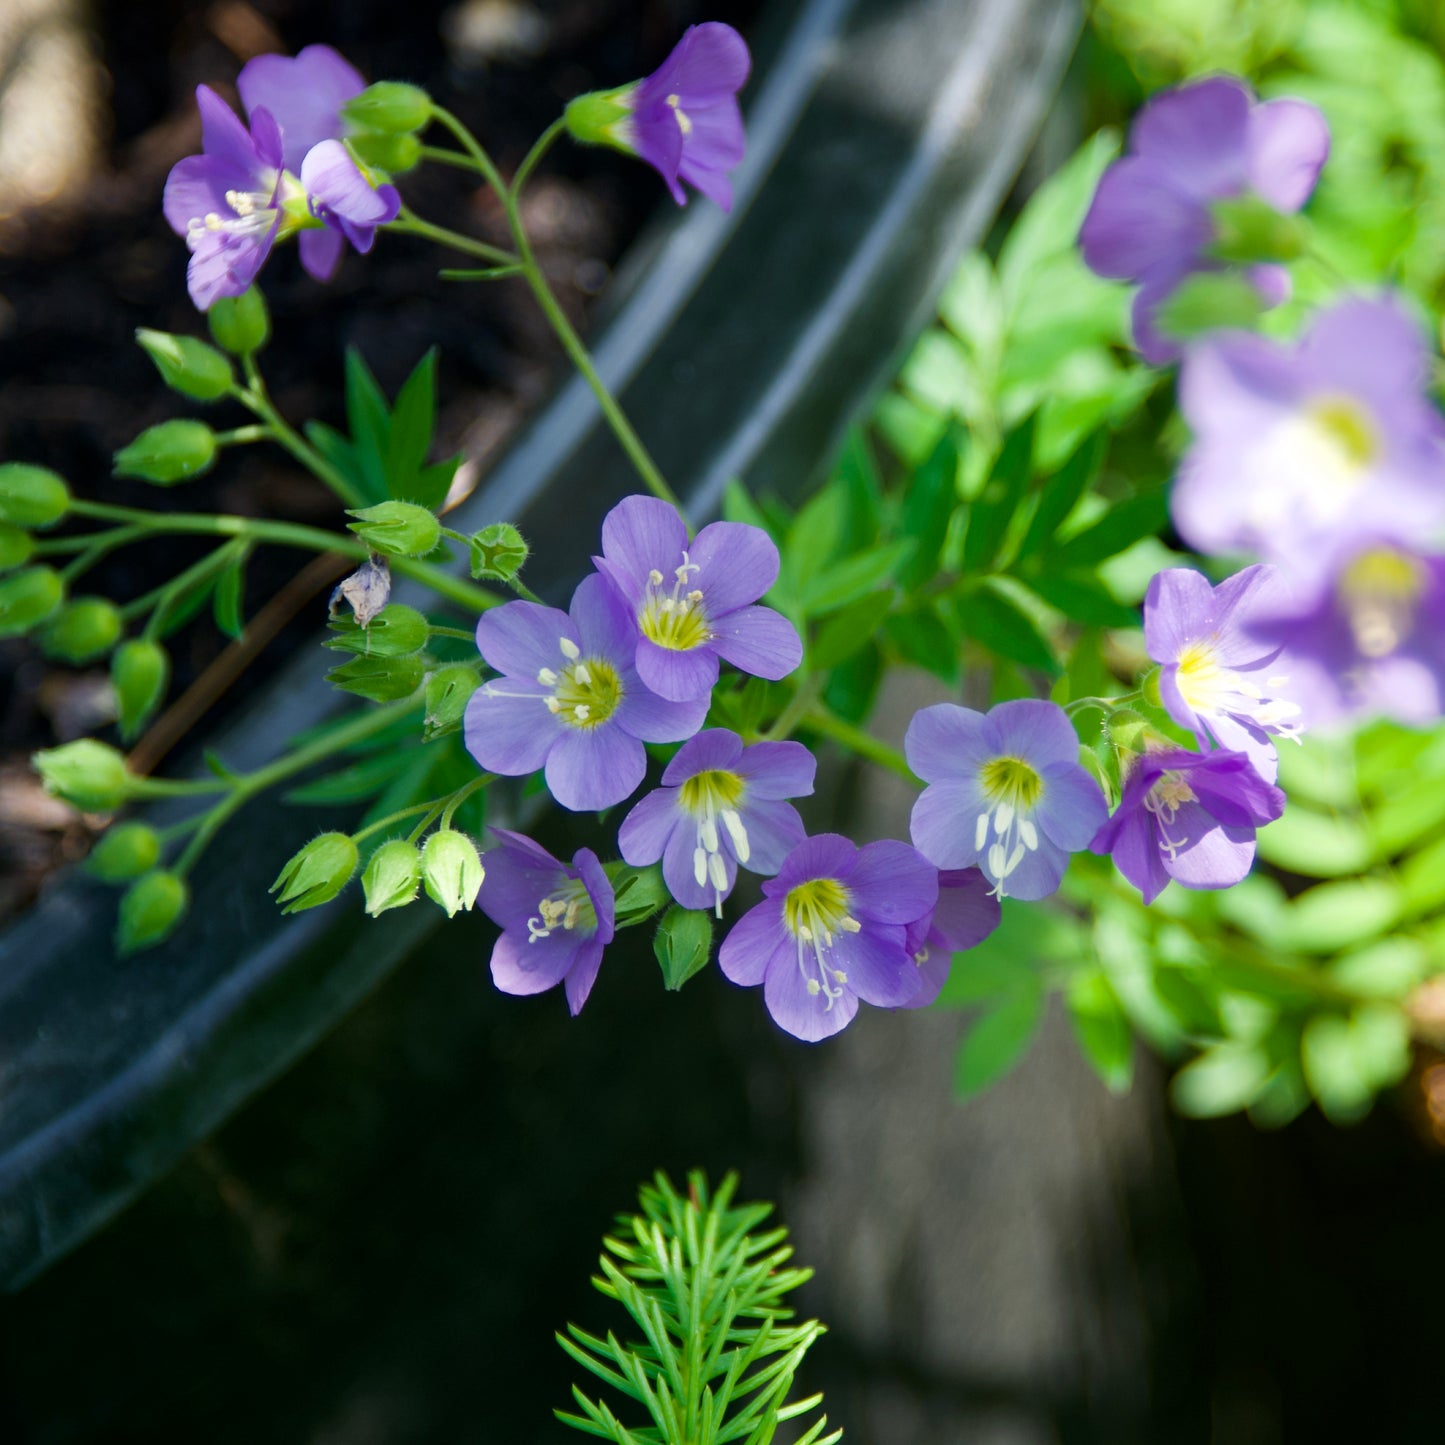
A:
{"points": [[569, 699], [684, 119], [1301, 450], [692, 600], [555, 920], [1217, 677], [229, 202], [1012, 776], [1188, 816], [720, 805], [833, 928], [1151, 220], [1369, 640], [968, 911]]}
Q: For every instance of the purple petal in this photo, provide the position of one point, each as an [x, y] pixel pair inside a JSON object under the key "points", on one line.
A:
{"points": [[944, 818], [225, 265], [224, 138], [1289, 142], [521, 638], [1157, 286], [824, 855], [778, 770], [679, 871], [589, 769], [1273, 284], [1038, 872], [710, 60], [806, 1016], [1072, 808], [519, 967], [946, 742], [646, 829], [713, 751], [305, 94], [878, 966], [1142, 220], [642, 535], [736, 565], [330, 176], [266, 141], [715, 185], [677, 676], [892, 883], [1037, 731], [583, 974], [510, 731], [589, 869], [1216, 858], [658, 140], [1201, 132], [321, 252], [1369, 348], [1179, 608], [657, 720], [196, 187], [518, 875], [968, 910], [774, 830], [753, 942], [1135, 846], [758, 641], [605, 624]]}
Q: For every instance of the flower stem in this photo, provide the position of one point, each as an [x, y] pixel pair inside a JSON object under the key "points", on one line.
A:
{"points": [[821, 720], [534, 156], [256, 400], [461, 795], [408, 223]]}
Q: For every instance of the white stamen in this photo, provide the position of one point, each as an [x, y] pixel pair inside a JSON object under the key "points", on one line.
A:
{"points": [[699, 866], [733, 822], [547, 677], [570, 650], [717, 871]]}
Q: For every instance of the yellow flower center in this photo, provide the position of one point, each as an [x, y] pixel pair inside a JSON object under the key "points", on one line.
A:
{"points": [[711, 798], [567, 907], [1014, 787], [675, 619], [1170, 792], [1379, 592], [1346, 426], [815, 913], [586, 691]]}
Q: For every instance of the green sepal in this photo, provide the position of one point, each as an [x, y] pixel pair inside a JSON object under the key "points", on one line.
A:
{"points": [[391, 877], [400, 529], [32, 496], [87, 774], [381, 679], [395, 631], [124, 852], [498, 552], [193, 368], [682, 944], [390, 106], [451, 869], [82, 630], [1249, 231], [316, 873], [1208, 302], [139, 672], [448, 690], [240, 324], [17, 546], [173, 451], [601, 118], [638, 893], [150, 909], [29, 597]]}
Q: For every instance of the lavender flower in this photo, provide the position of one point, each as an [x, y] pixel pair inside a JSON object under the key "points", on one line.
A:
{"points": [[555, 920], [692, 600], [1216, 675], [1301, 451], [968, 911], [1369, 640], [720, 805], [1012, 775], [1152, 219], [1188, 816], [569, 699], [832, 929], [683, 120]]}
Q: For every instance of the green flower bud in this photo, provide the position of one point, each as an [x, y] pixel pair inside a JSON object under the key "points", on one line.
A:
{"points": [[317, 873], [401, 529], [193, 368], [394, 154], [124, 852], [600, 118], [174, 451], [149, 910], [84, 629], [32, 496], [1248, 231], [392, 106], [682, 943], [498, 552], [452, 870], [391, 878], [139, 672], [29, 597], [395, 631], [1128, 730], [381, 679], [448, 690], [16, 547], [240, 324], [1207, 302], [87, 774]]}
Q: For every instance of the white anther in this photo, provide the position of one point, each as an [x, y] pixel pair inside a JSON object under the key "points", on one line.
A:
{"points": [[815, 988], [582, 674], [980, 832], [850, 925], [1028, 834], [655, 577], [839, 975], [707, 834], [699, 867], [733, 822], [805, 933], [553, 706], [717, 870], [581, 712], [570, 650], [695, 596], [547, 677], [1003, 815]]}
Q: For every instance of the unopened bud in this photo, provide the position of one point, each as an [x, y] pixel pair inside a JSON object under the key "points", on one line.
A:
{"points": [[240, 324], [17, 546], [316, 873], [392, 876], [394, 154], [395, 631], [381, 679], [87, 774], [452, 870], [448, 690], [29, 597], [139, 672], [682, 944], [32, 496], [193, 368], [174, 451], [1128, 730], [498, 552], [402, 529], [389, 105], [124, 852], [81, 630], [150, 909]]}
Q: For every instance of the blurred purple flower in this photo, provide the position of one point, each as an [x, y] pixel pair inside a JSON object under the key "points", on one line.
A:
{"points": [[1218, 678], [692, 601], [1151, 219], [833, 928], [1302, 450], [555, 920], [968, 910], [1188, 816], [569, 699], [1011, 775], [1368, 641], [720, 805]]}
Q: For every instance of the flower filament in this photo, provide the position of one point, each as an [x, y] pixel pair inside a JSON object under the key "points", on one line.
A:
{"points": [[1014, 788], [710, 798], [815, 913], [684, 121], [1169, 793], [568, 907], [674, 620]]}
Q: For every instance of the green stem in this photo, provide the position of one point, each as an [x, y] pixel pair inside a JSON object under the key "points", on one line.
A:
{"points": [[434, 811], [391, 818], [408, 223], [255, 399], [159, 600], [457, 632], [534, 156], [821, 720], [1104, 704], [257, 432], [808, 691], [151, 788], [291, 534], [461, 795]]}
